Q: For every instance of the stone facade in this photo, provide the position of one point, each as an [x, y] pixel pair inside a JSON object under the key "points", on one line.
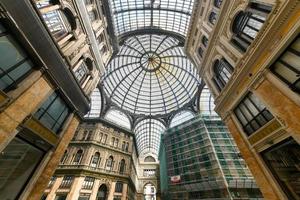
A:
{"points": [[255, 70], [48, 67], [108, 156]]}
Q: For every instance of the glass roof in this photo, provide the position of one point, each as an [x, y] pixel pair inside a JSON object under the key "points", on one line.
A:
{"points": [[150, 75], [206, 104], [181, 117], [167, 15], [95, 104], [148, 133], [119, 118]]}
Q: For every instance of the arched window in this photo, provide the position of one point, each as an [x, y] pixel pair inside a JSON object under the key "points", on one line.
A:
{"points": [[204, 41], [222, 72], [247, 24], [59, 21], [200, 52], [122, 166], [218, 3], [78, 157], [123, 146], [287, 66], [95, 160], [126, 147], [149, 159], [212, 18], [64, 157], [109, 163], [102, 193]]}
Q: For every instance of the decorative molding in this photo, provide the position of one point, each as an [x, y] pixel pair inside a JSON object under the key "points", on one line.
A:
{"points": [[264, 131], [39, 129]]}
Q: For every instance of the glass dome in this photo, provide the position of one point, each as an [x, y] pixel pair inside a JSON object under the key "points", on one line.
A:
{"points": [[168, 15], [151, 75]]}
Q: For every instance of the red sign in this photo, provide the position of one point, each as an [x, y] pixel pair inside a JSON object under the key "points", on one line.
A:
{"points": [[175, 179]]}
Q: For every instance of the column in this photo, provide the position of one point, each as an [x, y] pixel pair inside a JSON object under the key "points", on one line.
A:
{"points": [[281, 106], [95, 189], [55, 186], [42, 181], [267, 186], [21, 107], [111, 191], [75, 188], [124, 192]]}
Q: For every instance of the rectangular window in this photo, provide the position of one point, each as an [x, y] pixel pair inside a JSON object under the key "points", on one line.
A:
{"points": [[84, 196], [119, 187], [55, 20], [287, 66], [44, 196], [14, 63], [252, 114], [117, 197], [88, 183], [18, 161], [51, 182], [53, 113], [60, 197], [283, 160], [81, 72], [66, 182]]}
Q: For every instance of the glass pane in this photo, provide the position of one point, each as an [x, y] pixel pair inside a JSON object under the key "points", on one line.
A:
{"points": [[11, 53], [292, 59], [18, 161], [283, 160], [53, 112]]}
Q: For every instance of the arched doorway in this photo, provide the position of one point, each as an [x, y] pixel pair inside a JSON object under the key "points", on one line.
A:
{"points": [[149, 192], [102, 193]]}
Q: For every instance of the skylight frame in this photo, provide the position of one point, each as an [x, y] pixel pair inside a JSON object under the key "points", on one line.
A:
{"points": [[167, 15]]}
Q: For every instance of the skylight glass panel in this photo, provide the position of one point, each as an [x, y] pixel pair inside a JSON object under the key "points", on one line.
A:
{"points": [[148, 133], [95, 104], [206, 104], [181, 117], [119, 118], [159, 79], [168, 15]]}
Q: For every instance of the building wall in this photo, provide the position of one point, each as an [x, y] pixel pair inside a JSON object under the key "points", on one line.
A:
{"points": [[203, 157], [43, 70], [256, 69], [90, 138], [99, 136]]}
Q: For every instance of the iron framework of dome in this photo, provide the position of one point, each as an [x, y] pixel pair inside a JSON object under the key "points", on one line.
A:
{"points": [[131, 16], [151, 76], [150, 82]]}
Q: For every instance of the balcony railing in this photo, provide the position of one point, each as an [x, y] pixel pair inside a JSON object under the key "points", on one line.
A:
{"points": [[94, 169]]}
